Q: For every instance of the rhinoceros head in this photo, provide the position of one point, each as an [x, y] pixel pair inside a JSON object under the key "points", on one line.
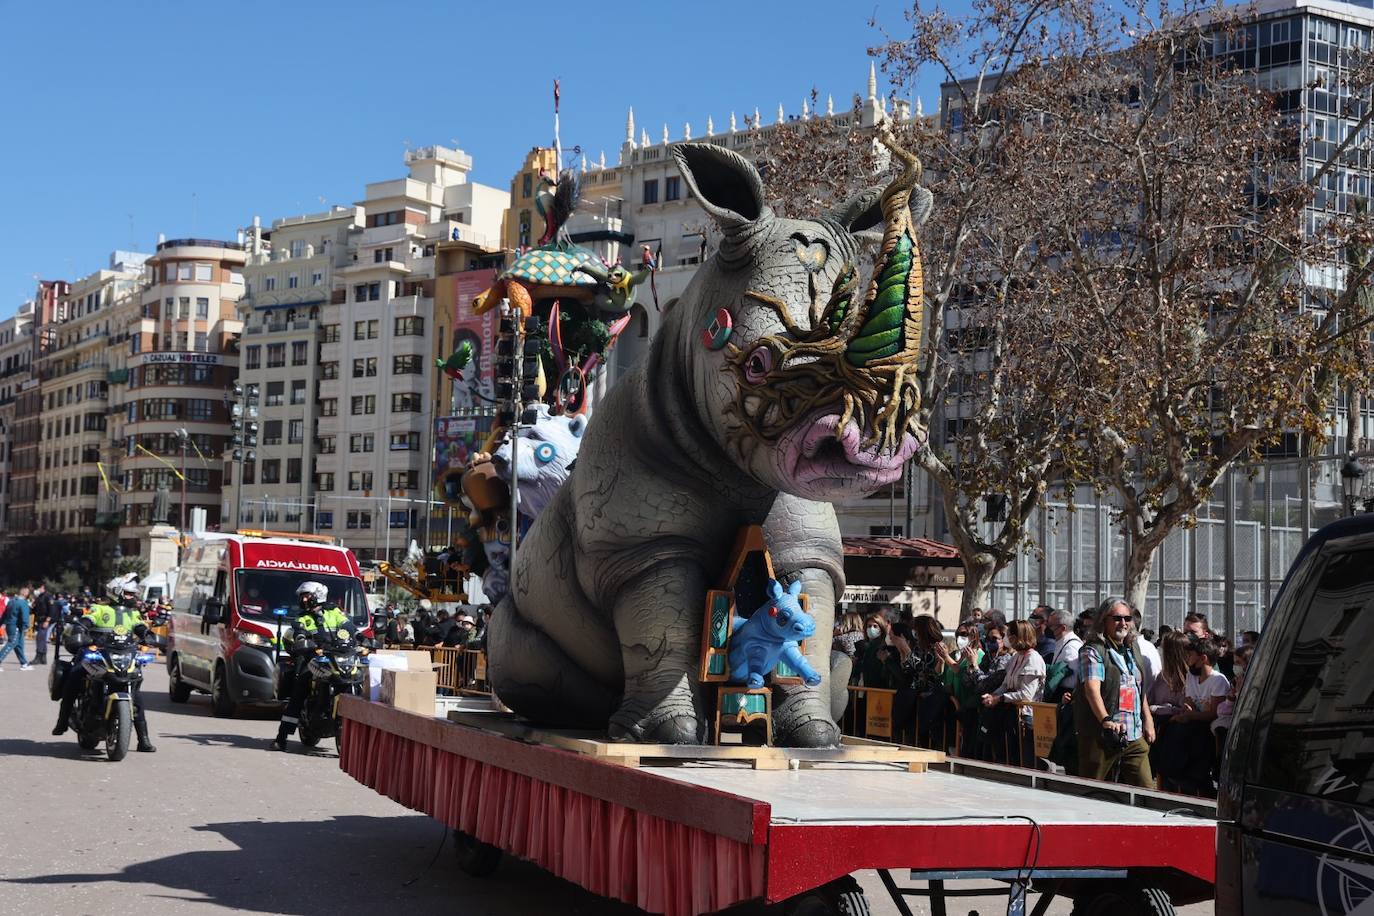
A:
{"points": [[812, 390]]}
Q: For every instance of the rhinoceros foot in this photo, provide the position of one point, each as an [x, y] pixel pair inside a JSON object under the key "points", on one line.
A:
{"points": [[801, 719], [653, 717], [674, 730]]}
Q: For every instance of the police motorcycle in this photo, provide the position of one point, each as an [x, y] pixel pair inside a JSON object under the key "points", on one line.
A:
{"points": [[103, 711], [337, 667]]}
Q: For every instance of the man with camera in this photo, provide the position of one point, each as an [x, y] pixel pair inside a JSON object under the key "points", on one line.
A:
{"points": [[1114, 726]]}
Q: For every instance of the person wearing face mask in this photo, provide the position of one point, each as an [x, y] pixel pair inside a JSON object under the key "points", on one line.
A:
{"points": [[1205, 688], [878, 665], [1113, 723], [962, 671], [849, 633], [1226, 709]]}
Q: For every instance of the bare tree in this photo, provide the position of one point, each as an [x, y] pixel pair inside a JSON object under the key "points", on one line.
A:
{"points": [[1000, 375], [1211, 272]]}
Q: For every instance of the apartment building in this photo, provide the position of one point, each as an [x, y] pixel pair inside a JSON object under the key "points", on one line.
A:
{"points": [[289, 280], [177, 366], [28, 410], [16, 356], [75, 493], [340, 312]]}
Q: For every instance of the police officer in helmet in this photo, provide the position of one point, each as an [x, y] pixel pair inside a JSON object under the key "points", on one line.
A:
{"points": [[317, 614], [102, 620]]}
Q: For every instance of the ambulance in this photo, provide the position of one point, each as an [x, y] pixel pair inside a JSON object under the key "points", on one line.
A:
{"points": [[234, 594]]}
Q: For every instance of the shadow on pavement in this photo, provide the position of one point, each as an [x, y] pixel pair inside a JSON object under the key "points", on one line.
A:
{"points": [[64, 747], [301, 867]]}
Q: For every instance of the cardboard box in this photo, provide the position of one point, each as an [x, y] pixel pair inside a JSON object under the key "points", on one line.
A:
{"points": [[412, 691], [393, 660]]}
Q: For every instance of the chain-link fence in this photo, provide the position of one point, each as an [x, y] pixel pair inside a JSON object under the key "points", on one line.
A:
{"points": [[1228, 566]]}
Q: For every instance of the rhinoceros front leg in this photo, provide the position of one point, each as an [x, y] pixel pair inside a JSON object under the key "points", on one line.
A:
{"points": [[801, 714], [658, 620]]}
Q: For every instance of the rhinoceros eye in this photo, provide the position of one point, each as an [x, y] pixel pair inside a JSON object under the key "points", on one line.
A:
{"points": [[773, 611], [758, 365]]}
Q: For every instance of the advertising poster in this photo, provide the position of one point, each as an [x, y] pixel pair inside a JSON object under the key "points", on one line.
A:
{"points": [[455, 438], [480, 332]]}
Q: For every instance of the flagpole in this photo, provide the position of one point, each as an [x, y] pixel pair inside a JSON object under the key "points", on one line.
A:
{"points": [[557, 141]]}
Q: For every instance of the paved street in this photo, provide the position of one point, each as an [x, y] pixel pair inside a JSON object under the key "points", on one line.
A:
{"points": [[213, 821]]}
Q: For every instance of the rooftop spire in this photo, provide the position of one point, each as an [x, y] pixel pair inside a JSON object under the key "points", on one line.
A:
{"points": [[758, 118], [872, 81], [710, 127], [630, 127], [920, 112], [602, 161], [829, 104], [781, 117], [687, 131], [665, 132], [806, 110], [643, 138], [732, 123]]}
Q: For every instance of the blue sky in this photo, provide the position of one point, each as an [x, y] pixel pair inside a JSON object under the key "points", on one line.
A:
{"points": [[123, 120]]}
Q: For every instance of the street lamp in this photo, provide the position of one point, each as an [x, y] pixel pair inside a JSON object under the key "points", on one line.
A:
{"points": [[1352, 477]]}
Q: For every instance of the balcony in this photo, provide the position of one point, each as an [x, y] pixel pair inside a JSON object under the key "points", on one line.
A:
{"points": [[198, 243]]}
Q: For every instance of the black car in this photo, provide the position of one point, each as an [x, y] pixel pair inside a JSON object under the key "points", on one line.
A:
{"points": [[1296, 810]]}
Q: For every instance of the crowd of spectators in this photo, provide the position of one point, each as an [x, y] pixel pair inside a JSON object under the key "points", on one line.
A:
{"points": [[426, 627], [35, 612], [1131, 706]]}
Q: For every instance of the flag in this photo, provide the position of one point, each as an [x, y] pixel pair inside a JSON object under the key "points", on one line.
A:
{"points": [[555, 96]]}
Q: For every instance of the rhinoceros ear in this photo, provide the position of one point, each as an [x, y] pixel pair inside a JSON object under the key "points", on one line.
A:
{"points": [[774, 589], [861, 213], [795, 588], [727, 185]]}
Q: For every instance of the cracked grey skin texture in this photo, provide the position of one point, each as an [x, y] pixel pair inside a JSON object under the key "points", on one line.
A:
{"points": [[602, 628]]}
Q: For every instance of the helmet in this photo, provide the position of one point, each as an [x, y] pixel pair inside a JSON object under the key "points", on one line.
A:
{"points": [[316, 592], [123, 585]]}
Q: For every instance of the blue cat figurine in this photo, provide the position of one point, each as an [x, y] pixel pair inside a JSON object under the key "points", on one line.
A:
{"points": [[772, 633]]}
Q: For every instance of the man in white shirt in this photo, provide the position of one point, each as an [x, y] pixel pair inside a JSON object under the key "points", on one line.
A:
{"points": [[1149, 653], [1067, 646]]}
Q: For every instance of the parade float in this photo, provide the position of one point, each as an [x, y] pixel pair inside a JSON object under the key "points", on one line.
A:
{"points": [[662, 648]]}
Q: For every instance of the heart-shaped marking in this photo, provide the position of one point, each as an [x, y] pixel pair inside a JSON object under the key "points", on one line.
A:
{"points": [[812, 255]]}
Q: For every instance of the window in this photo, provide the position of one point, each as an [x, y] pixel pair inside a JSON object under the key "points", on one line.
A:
{"points": [[331, 334], [360, 442], [293, 470], [323, 518], [672, 187], [298, 391], [405, 402], [204, 273], [329, 407], [360, 480], [366, 330], [276, 394], [300, 353], [405, 442], [325, 482], [183, 307], [400, 518], [271, 432], [252, 357], [327, 445], [202, 307], [406, 365], [271, 471], [329, 370], [401, 480], [409, 327], [269, 283], [316, 277], [276, 355], [359, 518], [364, 404], [365, 367], [295, 431], [184, 271], [202, 342], [293, 281], [1322, 732], [527, 184], [651, 191]]}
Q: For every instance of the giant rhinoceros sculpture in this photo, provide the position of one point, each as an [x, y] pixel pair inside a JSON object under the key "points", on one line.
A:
{"points": [[772, 388]]}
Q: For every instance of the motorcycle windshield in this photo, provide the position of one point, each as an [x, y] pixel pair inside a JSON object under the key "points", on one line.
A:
{"points": [[261, 591]]}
